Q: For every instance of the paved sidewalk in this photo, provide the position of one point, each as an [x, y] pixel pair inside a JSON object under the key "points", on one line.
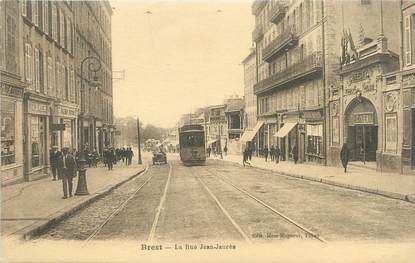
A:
{"points": [[358, 178], [26, 207]]}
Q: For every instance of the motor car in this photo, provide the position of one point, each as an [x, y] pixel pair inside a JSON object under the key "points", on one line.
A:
{"points": [[159, 158]]}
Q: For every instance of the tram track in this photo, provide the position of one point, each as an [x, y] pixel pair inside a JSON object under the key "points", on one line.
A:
{"points": [[120, 208], [264, 204], [225, 212]]}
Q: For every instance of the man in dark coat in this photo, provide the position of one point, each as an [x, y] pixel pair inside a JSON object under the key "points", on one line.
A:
{"points": [[295, 153], [67, 169], [272, 152], [345, 156], [53, 158], [277, 153], [266, 153], [208, 151], [110, 158]]}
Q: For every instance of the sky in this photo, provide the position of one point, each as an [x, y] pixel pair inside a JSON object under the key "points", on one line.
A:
{"points": [[183, 55]]}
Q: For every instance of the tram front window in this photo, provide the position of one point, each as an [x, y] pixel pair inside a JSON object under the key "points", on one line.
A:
{"points": [[192, 140]]}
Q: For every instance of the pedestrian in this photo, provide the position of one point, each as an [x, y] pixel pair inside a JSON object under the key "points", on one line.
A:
{"points": [[67, 169], [294, 153], [225, 149], [344, 156], [266, 153], [245, 154], [208, 151], [249, 153], [130, 156], [54, 158], [272, 153], [277, 153], [110, 158]]}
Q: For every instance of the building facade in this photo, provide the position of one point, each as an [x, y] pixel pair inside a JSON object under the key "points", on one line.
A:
{"points": [[297, 47], [93, 46], [407, 82], [12, 90], [249, 64], [40, 101], [50, 111]]}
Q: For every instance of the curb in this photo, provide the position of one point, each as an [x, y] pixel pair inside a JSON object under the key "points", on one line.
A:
{"points": [[38, 228], [402, 197]]}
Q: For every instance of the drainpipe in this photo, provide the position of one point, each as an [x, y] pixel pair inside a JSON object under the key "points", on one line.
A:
{"points": [[401, 79], [324, 84]]}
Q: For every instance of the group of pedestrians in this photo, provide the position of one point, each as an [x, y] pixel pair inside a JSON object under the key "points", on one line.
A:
{"points": [[273, 152], [125, 155], [64, 167], [64, 163]]}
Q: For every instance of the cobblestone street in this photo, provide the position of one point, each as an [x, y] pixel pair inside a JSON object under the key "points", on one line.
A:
{"points": [[222, 201]]}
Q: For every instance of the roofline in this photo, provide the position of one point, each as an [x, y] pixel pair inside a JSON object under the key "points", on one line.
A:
{"points": [[249, 56]]}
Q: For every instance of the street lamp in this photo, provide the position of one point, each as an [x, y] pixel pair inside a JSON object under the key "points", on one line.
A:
{"points": [[94, 65]]}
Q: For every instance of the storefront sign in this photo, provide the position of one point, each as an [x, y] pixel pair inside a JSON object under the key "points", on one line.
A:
{"points": [[98, 124], [58, 127], [85, 124], [65, 112], [9, 90], [37, 108], [217, 118], [363, 118], [117, 133]]}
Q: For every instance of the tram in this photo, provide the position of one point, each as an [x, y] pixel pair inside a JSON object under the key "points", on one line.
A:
{"points": [[192, 144]]}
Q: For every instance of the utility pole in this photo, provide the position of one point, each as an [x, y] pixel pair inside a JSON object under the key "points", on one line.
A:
{"points": [[139, 141]]}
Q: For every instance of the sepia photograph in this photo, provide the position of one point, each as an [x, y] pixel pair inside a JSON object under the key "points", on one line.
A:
{"points": [[207, 131]]}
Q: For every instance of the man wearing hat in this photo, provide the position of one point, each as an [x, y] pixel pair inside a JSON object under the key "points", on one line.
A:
{"points": [[54, 157], [67, 169]]}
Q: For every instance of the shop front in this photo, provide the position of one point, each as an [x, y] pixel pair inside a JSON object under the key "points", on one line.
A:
{"points": [[64, 126], [11, 133], [37, 143]]}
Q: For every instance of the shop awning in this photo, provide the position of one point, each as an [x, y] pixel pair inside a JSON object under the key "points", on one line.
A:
{"points": [[249, 135], [285, 129]]}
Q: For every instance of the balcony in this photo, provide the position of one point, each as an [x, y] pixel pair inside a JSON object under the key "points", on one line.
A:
{"points": [[287, 39], [310, 67], [257, 6], [258, 33], [278, 12]]}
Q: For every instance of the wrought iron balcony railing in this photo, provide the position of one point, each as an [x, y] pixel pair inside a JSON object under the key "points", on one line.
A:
{"points": [[308, 68], [258, 33], [278, 12], [287, 39]]}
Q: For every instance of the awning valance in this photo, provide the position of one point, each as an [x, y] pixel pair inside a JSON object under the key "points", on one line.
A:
{"points": [[284, 130], [249, 135], [212, 141]]}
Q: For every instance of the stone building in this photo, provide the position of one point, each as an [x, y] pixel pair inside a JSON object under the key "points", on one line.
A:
{"points": [[50, 111], [12, 89], [297, 47], [407, 86], [249, 64], [217, 127], [93, 46]]}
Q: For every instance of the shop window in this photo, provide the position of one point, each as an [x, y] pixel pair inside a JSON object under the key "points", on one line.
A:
{"points": [[8, 132], [314, 139], [37, 140], [391, 135]]}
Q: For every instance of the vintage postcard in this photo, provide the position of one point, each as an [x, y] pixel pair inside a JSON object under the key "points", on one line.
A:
{"points": [[207, 131]]}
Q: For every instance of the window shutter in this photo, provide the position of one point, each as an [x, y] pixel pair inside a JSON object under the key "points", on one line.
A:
{"points": [[36, 68], [408, 51]]}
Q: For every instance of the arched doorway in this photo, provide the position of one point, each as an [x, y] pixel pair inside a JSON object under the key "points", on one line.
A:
{"points": [[361, 129]]}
